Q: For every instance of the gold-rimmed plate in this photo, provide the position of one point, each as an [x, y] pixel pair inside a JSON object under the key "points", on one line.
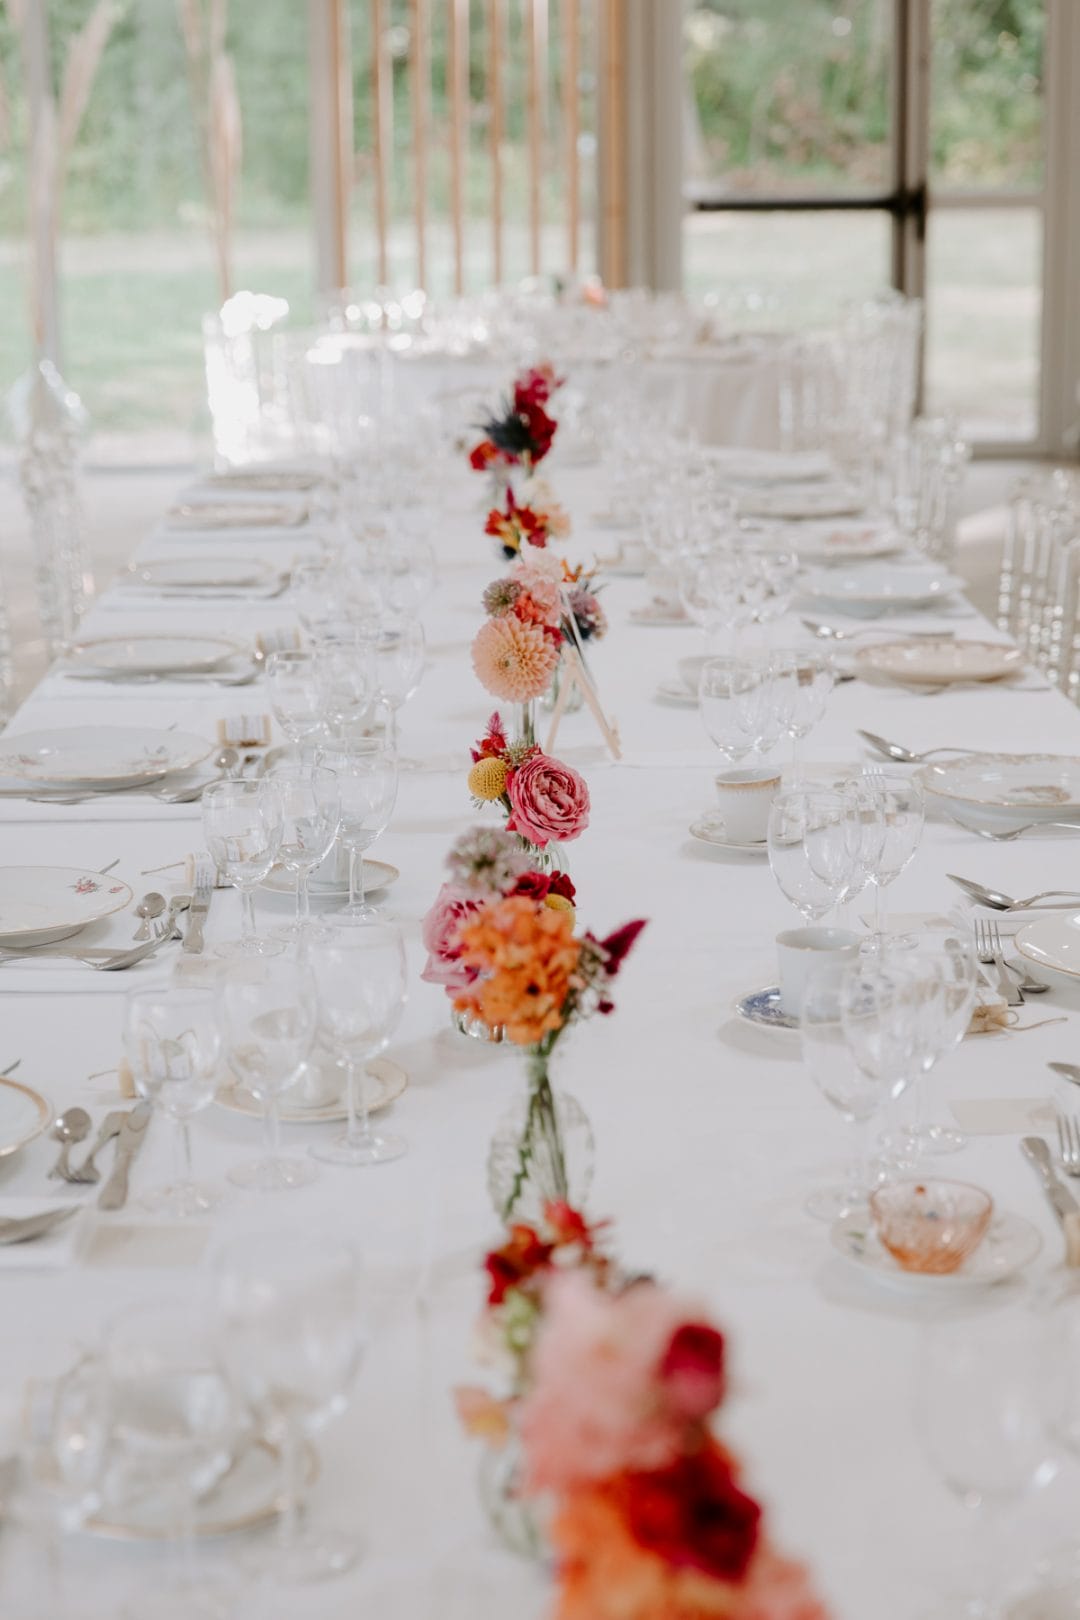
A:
{"points": [[24, 1115], [377, 875], [249, 1494], [384, 1081]]}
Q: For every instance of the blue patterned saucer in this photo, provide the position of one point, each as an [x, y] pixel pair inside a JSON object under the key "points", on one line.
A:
{"points": [[762, 1007]]}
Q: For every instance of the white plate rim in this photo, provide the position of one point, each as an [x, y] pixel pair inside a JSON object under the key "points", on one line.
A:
{"points": [[45, 1116], [396, 1082], [759, 846], [816, 591], [71, 923], [150, 772], [261, 570], [1022, 941], [331, 891], [869, 656], [74, 658], [925, 773]]}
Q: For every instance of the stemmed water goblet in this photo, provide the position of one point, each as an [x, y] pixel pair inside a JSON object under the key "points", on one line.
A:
{"points": [[903, 813], [267, 1012], [310, 817], [732, 695], [809, 849], [943, 971], [295, 689], [359, 969], [857, 1044], [242, 825], [399, 660], [172, 1043], [864, 826], [367, 773], [290, 1339], [801, 684], [347, 680]]}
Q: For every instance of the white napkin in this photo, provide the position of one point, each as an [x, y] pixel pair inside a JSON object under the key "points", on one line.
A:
{"points": [[57, 1248]]}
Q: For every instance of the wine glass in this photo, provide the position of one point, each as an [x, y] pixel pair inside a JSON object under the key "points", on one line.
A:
{"points": [[267, 1011], [903, 813], [367, 773], [63, 1448], [857, 1045], [311, 814], [732, 694], [175, 1433], [358, 965], [980, 1415], [808, 849], [242, 824], [172, 1043], [945, 975], [347, 673], [864, 828], [290, 1340], [801, 685], [296, 697], [399, 661]]}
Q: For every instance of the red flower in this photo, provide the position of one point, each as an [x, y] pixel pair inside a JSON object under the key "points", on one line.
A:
{"points": [[617, 946], [561, 883], [537, 885], [692, 1371], [482, 455], [523, 1254], [493, 743], [569, 1225], [537, 423], [536, 386], [693, 1514]]}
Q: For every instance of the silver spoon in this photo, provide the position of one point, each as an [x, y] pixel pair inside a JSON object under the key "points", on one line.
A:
{"points": [[72, 1126], [1007, 834], [150, 906], [1027, 985], [1005, 902], [226, 760], [902, 755], [1067, 1071]]}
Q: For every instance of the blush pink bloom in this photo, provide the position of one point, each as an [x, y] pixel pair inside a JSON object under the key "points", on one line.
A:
{"points": [[542, 589], [538, 565], [515, 661], [439, 931], [594, 1408], [548, 801]]}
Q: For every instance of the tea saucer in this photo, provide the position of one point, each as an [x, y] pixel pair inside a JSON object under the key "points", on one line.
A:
{"points": [[762, 1008], [659, 613], [1010, 1244], [677, 693], [708, 835], [384, 1081]]}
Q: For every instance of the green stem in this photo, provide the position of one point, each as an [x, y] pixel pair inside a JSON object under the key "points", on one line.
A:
{"points": [[540, 1132]]}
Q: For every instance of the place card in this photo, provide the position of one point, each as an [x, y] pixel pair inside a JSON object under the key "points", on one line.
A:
{"points": [[244, 730], [123, 1243], [1004, 1116]]}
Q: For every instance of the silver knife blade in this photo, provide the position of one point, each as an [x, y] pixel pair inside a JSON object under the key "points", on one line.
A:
{"points": [[197, 914], [35, 1226], [132, 1135], [1060, 1199]]}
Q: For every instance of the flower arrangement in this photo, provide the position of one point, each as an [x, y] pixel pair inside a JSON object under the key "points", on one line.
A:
{"points": [[532, 522], [545, 800], [521, 433], [516, 649]]}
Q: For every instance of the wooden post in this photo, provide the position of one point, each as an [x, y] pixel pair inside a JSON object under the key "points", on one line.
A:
{"points": [[457, 71], [571, 70], [383, 132], [421, 92], [496, 45], [536, 24]]}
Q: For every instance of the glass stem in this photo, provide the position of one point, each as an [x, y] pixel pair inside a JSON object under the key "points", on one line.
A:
{"points": [[861, 1160], [303, 899], [288, 1524], [879, 909], [356, 879], [183, 1154], [358, 1129], [272, 1124], [247, 915]]}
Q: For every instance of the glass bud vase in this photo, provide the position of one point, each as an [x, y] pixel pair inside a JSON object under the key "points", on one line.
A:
{"points": [[551, 697], [542, 1151], [469, 1024], [515, 1519]]}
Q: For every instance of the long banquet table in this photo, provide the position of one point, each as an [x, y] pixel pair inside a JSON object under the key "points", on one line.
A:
{"points": [[709, 1134]]}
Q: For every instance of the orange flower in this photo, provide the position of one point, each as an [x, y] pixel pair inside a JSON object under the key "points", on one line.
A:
{"points": [[515, 661], [526, 955]]}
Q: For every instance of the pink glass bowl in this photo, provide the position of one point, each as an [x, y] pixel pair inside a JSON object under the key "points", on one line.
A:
{"points": [[931, 1226]]}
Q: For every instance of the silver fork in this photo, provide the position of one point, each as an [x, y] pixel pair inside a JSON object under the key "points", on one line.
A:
{"points": [[1068, 1144], [988, 948], [1007, 834], [111, 963]]}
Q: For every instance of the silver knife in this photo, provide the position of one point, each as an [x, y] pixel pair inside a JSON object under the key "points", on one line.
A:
{"points": [[1059, 1197], [132, 1134], [197, 913]]}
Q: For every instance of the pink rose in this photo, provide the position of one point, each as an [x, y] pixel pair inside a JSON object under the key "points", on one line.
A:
{"points": [[548, 801], [439, 931]]}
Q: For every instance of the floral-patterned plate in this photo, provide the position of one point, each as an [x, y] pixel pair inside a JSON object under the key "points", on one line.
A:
{"points": [[762, 1007], [384, 1080], [1044, 787], [151, 655], [91, 756], [1010, 1243], [43, 903]]}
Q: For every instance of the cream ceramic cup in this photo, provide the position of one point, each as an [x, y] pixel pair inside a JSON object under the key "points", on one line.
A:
{"points": [[743, 801], [803, 951]]}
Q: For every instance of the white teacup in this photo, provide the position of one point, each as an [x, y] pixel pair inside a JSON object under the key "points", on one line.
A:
{"points": [[744, 798], [803, 951]]}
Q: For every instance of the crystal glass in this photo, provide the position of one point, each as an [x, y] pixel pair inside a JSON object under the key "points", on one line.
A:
{"points": [[312, 591], [267, 1011], [172, 1042], [945, 975], [864, 827], [175, 1432], [808, 849], [801, 684], [348, 681], [733, 696], [310, 817], [63, 1447], [903, 812], [980, 1415], [367, 773], [856, 1043], [931, 1226], [358, 964], [295, 690], [242, 825], [290, 1339], [399, 661]]}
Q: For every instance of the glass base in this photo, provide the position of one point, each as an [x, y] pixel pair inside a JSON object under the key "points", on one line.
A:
{"points": [[930, 1139], [310, 1557], [273, 1175], [184, 1200], [833, 1203], [380, 1149], [246, 949]]}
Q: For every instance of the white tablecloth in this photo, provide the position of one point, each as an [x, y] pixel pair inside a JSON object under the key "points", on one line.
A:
{"points": [[709, 1135]]}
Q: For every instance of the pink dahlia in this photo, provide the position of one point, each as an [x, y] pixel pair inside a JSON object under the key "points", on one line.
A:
{"points": [[439, 931], [548, 801], [515, 661]]}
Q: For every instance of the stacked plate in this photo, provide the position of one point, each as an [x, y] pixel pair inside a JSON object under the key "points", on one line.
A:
{"points": [[97, 757], [119, 657], [39, 904], [930, 662], [1005, 790], [880, 587], [203, 576]]}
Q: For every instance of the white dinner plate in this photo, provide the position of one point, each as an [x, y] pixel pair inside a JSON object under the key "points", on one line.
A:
{"points": [[384, 1081], [24, 1114], [661, 614], [928, 662], [377, 875], [843, 542], [706, 834], [677, 693], [749, 466], [1046, 787], [203, 573], [880, 585], [160, 654], [236, 515], [762, 1009], [1053, 942], [89, 756], [1010, 1243], [808, 500], [40, 903]]}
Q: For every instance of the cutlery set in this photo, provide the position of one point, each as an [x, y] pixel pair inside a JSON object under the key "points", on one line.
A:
{"points": [[127, 1128]]}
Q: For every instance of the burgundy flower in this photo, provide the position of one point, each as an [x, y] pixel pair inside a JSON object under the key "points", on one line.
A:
{"points": [[523, 1254], [537, 885], [693, 1514], [562, 884], [692, 1371], [617, 946]]}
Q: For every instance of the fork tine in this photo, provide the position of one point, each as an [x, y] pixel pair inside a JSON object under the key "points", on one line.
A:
{"points": [[1060, 1123], [1072, 1133]]}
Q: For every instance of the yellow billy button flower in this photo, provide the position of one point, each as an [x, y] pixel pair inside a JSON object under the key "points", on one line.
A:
{"points": [[558, 902], [487, 779]]}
